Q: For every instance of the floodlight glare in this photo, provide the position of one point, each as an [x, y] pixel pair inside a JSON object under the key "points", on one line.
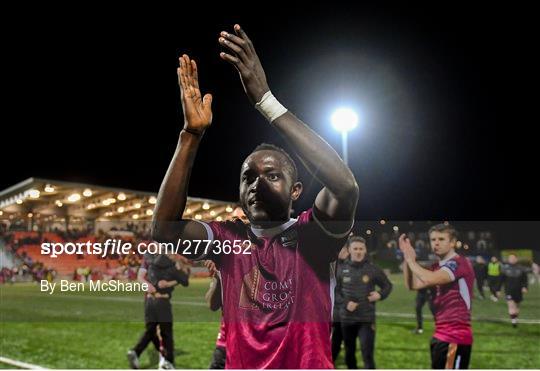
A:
{"points": [[344, 119]]}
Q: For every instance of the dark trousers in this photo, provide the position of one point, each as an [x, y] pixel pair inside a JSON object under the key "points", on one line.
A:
{"points": [[218, 359], [449, 355], [366, 332], [422, 297], [157, 312], [337, 339], [494, 284], [480, 285], [150, 335]]}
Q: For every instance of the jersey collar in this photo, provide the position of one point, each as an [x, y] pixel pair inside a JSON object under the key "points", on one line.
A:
{"points": [[442, 262], [271, 232]]}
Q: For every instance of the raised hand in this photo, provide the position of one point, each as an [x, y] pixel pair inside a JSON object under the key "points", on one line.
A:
{"points": [[197, 110], [246, 61], [405, 246]]}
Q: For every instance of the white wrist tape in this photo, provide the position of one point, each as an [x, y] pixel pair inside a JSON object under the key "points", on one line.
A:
{"points": [[270, 107]]}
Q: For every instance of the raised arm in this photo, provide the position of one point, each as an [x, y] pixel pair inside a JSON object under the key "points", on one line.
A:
{"points": [[167, 223], [407, 276], [416, 276], [337, 200]]}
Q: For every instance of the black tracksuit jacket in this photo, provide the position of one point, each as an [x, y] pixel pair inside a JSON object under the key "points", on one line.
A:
{"points": [[354, 283]]}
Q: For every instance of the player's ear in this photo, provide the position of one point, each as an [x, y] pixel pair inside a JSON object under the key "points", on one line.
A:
{"points": [[296, 191]]}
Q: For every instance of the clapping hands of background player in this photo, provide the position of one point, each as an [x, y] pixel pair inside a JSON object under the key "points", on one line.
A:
{"points": [[405, 246], [246, 61]]}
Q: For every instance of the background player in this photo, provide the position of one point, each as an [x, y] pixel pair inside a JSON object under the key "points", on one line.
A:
{"points": [[453, 280], [423, 296], [514, 280], [494, 278], [480, 273]]}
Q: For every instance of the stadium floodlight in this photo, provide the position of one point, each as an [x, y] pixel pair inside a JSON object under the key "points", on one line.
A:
{"points": [[344, 120]]}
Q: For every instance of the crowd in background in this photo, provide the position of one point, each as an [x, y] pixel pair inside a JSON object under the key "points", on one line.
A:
{"points": [[479, 246]]}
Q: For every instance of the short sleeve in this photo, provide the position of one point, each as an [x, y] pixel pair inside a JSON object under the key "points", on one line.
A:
{"points": [[220, 232], [213, 233], [456, 268]]}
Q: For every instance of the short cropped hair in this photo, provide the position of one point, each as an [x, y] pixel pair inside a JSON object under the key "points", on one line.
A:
{"points": [[290, 162], [442, 228], [355, 239]]}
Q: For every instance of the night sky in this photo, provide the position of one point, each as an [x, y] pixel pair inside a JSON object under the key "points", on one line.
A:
{"points": [[441, 94]]}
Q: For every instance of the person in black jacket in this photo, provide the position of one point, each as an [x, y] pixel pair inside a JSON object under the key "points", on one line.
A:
{"points": [[514, 279], [356, 282], [162, 274]]}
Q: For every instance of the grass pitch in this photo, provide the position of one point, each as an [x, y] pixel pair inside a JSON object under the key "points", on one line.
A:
{"points": [[94, 330]]}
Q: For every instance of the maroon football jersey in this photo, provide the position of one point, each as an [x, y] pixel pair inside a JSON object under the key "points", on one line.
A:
{"points": [[452, 302], [278, 299]]}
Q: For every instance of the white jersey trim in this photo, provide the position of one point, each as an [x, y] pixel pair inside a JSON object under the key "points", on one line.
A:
{"points": [[450, 273], [464, 292], [271, 232], [442, 262], [209, 236], [333, 284]]}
